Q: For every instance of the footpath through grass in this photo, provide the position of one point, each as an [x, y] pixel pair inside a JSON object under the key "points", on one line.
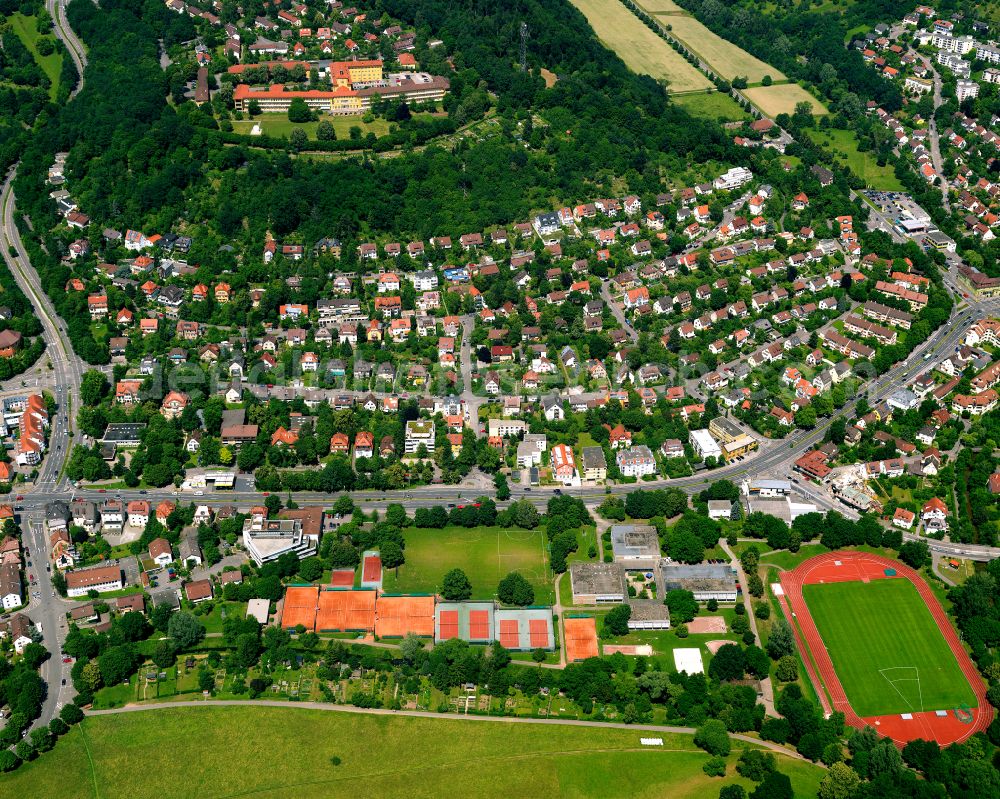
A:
{"points": [[279, 753], [485, 554], [886, 647]]}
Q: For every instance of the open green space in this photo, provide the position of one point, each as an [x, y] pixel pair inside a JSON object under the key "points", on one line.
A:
{"points": [[278, 125], [844, 144], [889, 654], [639, 47], [278, 753], [485, 554], [711, 105], [50, 64]]}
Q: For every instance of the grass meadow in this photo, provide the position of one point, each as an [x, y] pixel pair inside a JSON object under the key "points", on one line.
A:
{"points": [[889, 654], [485, 554], [711, 105], [844, 145], [279, 753]]}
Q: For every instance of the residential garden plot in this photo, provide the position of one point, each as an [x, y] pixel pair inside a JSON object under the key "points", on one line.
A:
{"points": [[886, 648], [774, 100], [639, 47], [485, 554], [286, 753], [722, 55]]}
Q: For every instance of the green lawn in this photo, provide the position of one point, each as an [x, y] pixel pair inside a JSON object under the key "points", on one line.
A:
{"points": [[278, 125], [485, 554], [889, 654], [51, 64], [713, 105], [278, 753], [220, 612], [845, 145]]}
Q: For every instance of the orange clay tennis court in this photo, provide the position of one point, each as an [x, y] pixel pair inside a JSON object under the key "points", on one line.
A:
{"points": [[448, 624], [479, 625], [509, 633], [581, 638], [371, 570], [346, 611], [342, 578], [395, 616], [300, 607]]}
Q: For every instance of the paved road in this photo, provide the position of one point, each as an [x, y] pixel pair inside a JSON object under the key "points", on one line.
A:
{"points": [[48, 612], [67, 367], [46, 609], [428, 715], [57, 10], [617, 311]]}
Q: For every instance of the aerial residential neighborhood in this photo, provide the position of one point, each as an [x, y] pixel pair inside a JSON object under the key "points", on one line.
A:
{"points": [[607, 398]]}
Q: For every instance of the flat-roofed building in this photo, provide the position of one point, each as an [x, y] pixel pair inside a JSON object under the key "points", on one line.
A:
{"points": [[268, 539], [259, 609], [724, 430], [648, 614], [705, 445], [705, 580], [597, 583], [767, 488], [635, 546], [738, 447]]}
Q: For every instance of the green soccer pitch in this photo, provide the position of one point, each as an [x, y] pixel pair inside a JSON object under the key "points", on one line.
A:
{"points": [[886, 648]]}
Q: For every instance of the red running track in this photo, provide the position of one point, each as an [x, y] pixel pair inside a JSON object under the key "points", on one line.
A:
{"points": [[862, 566]]}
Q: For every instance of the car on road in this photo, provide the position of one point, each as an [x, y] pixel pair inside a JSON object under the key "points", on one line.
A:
{"points": [[144, 491], [102, 491], [199, 493], [64, 681], [19, 497]]}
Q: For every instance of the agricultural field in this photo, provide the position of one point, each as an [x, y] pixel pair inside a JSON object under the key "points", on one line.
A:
{"points": [[711, 105], [722, 55], [641, 49], [376, 756], [485, 554], [662, 7], [845, 146], [774, 100], [887, 650]]}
